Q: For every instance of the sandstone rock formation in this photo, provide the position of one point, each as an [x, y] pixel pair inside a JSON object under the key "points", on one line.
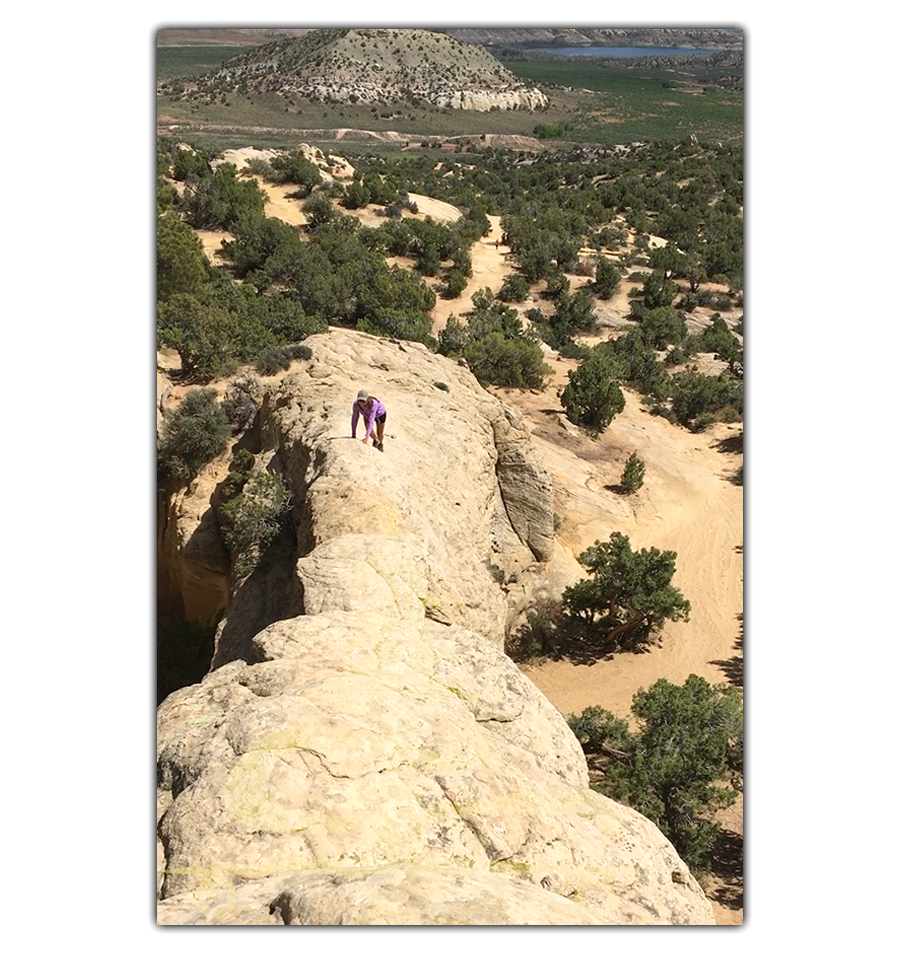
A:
{"points": [[362, 750], [330, 168]]}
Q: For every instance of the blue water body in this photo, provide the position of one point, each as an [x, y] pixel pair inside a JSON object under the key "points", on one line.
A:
{"points": [[628, 52]]}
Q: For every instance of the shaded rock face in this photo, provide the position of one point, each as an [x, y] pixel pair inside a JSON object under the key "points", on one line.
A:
{"points": [[362, 751], [192, 564]]}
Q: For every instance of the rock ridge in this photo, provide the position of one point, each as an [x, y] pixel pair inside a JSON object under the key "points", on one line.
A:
{"points": [[362, 751]]}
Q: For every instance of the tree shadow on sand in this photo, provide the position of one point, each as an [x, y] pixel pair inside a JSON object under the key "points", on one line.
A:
{"points": [[552, 636], [733, 667], [736, 477], [731, 445], [728, 869]]}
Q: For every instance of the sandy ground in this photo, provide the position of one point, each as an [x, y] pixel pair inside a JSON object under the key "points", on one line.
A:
{"points": [[690, 503]]}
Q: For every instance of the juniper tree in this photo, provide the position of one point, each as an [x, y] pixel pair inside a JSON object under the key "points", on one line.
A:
{"points": [[675, 766], [593, 396], [633, 474], [629, 595]]}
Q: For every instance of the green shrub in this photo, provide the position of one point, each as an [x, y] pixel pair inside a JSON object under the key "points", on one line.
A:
{"points": [[633, 474], [297, 169], [512, 362], [194, 433], [557, 284], [639, 367], [696, 398], [221, 200], [663, 327], [181, 265], [659, 291], [188, 163], [539, 636], [607, 278], [273, 360], [595, 728], [211, 340], [609, 237], [252, 519], [259, 167], [730, 415], [455, 284], [593, 396], [261, 244], [319, 210], [452, 338], [166, 196], [572, 350], [514, 288], [660, 409], [356, 196], [574, 315], [483, 299], [239, 471], [718, 338], [689, 741], [398, 323], [676, 356]]}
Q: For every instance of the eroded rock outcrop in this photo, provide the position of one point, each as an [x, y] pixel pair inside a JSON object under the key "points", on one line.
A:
{"points": [[362, 751], [374, 66]]}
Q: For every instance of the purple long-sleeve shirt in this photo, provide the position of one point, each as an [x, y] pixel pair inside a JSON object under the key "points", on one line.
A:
{"points": [[377, 409]]}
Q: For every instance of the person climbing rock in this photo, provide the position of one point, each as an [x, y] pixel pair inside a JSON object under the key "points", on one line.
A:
{"points": [[374, 415]]}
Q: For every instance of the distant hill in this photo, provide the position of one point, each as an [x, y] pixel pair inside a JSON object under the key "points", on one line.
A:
{"points": [[372, 66], [685, 37], [234, 36]]}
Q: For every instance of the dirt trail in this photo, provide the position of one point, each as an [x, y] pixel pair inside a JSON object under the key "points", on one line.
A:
{"points": [[489, 268]]}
